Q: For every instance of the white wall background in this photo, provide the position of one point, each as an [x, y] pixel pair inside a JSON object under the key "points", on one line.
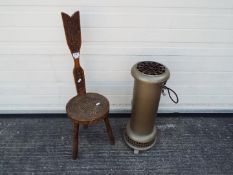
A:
{"points": [[194, 38]]}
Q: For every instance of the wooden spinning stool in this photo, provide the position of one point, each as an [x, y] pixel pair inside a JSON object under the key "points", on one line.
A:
{"points": [[85, 108]]}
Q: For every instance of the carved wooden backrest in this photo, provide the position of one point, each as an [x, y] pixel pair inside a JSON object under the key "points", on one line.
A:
{"points": [[73, 37]]}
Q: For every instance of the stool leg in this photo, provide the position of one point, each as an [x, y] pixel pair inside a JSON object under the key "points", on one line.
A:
{"points": [[75, 140], [109, 130]]}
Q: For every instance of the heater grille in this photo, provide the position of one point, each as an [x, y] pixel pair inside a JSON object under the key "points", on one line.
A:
{"points": [[138, 144], [151, 68]]}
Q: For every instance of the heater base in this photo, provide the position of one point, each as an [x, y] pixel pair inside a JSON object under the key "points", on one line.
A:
{"points": [[139, 142]]}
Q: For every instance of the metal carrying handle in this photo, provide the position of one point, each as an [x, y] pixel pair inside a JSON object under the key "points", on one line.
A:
{"points": [[169, 90]]}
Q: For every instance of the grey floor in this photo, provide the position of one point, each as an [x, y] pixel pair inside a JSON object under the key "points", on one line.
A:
{"points": [[187, 145]]}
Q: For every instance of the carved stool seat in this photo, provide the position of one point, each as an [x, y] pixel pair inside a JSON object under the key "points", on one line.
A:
{"points": [[87, 109]]}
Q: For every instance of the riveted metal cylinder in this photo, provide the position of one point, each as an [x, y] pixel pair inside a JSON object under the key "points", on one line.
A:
{"points": [[149, 78]]}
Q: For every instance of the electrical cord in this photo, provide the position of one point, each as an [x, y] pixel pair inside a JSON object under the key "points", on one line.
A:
{"points": [[169, 90]]}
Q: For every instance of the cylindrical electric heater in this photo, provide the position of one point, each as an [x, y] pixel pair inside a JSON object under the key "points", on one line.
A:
{"points": [[150, 78]]}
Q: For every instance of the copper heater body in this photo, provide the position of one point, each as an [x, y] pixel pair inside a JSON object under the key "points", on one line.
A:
{"points": [[149, 78]]}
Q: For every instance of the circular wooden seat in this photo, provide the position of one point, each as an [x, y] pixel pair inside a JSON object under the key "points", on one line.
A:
{"points": [[88, 108]]}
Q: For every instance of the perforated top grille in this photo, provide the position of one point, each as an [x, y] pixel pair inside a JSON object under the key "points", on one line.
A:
{"points": [[150, 68]]}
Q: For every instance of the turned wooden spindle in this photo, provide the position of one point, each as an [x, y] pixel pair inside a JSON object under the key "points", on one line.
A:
{"points": [[79, 78]]}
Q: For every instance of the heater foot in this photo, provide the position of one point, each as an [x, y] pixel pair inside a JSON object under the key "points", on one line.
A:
{"points": [[139, 142], [136, 151]]}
